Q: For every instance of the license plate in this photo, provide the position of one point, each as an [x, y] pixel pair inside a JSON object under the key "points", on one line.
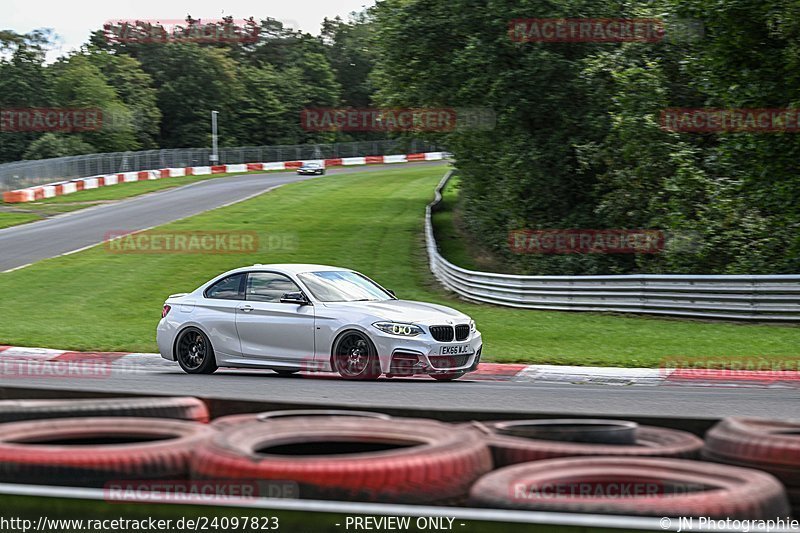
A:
{"points": [[462, 349]]}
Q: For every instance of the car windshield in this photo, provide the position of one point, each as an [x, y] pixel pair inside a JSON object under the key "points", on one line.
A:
{"points": [[312, 165], [342, 286]]}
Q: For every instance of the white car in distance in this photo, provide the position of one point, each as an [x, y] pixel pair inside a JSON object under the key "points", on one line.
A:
{"points": [[293, 317]]}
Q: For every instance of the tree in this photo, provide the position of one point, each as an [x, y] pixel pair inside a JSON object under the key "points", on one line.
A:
{"points": [[135, 88], [80, 84], [56, 145]]}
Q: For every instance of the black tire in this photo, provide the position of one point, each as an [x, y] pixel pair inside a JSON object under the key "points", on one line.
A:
{"points": [[650, 442], [285, 373], [95, 451], [181, 408], [349, 458], [355, 357], [194, 352], [269, 416], [661, 487], [447, 377]]}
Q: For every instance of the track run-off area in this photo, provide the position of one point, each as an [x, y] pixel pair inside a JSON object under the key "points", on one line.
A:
{"points": [[111, 303]]}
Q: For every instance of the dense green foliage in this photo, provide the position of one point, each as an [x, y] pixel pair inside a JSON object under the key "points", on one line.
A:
{"points": [[160, 94], [578, 142]]}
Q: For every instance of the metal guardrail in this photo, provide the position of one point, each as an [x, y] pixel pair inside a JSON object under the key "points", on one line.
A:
{"points": [[737, 297], [21, 174]]}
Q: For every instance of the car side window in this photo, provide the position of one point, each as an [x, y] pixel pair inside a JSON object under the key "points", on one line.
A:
{"points": [[268, 286], [229, 288]]}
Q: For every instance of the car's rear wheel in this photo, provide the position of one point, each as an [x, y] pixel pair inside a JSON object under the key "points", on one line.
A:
{"points": [[355, 357], [194, 352], [447, 377]]}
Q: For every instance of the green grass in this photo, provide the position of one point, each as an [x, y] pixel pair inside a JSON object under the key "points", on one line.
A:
{"points": [[32, 211], [372, 222], [127, 190], [451, 244], [8, 219]]}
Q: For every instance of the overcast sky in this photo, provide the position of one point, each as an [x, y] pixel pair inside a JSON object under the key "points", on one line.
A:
{"points": [[73, 20]]}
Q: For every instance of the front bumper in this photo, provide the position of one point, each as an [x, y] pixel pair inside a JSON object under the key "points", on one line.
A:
{"points": [[423, 355]]}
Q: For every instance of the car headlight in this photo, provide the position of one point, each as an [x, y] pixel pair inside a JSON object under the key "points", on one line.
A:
{"points": [[399, 328], [472, 325]]}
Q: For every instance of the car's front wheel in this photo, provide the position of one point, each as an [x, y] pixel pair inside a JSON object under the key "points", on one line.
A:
{"points": [[194, 352], [355, 357]]}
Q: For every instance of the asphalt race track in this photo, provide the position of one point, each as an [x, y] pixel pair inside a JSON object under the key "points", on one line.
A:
{"points": [[28, 243], [469, 396]]}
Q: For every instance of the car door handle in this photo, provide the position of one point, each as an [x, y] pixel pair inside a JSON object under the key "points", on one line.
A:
{"points": [[246, 308]]}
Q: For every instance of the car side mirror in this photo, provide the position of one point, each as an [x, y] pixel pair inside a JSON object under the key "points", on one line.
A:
{"points": [[297, 298], [390, 291]]}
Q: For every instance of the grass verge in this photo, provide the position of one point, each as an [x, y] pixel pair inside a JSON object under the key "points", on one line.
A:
{"points": [[33, 211], [371, 222]]}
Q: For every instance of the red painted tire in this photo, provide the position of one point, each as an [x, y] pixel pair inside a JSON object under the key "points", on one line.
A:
{"points": [[94, 451], [756, 441], [232, 420], [789, 476], [181, 408], [657, 487], [398, 460], [650, 442]]}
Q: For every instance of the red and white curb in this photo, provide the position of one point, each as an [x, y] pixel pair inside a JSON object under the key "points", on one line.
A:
{"points": [[25, 362], [40, 192]]}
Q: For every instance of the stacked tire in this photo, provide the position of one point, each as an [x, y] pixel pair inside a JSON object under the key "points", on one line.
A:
{"points": [[634, 487], [235, 420], [180, 408], [95, 451], [617, 467], [769, 445], [521, 441], [95, 441], [350, 458]]}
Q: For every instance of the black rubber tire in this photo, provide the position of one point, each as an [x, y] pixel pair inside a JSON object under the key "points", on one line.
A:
{"points": [[756, 441], [371, 367], [650, 442], [192, 335], [788, 475], [447, 377], [398, 460], [181, 408], [37, 452], [591, 430], [231, 420], [655, 487]]}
